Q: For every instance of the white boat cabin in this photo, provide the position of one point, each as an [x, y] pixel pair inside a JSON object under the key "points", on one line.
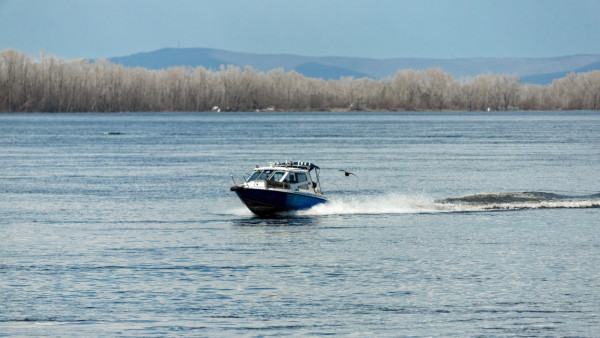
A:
{"points": [[294, 176]]}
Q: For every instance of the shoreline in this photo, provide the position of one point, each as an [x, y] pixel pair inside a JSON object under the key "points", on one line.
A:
{"points": [[296, 111]]}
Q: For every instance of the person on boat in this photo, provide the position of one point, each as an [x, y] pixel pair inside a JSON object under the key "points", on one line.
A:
{"points": [[291, 178]]}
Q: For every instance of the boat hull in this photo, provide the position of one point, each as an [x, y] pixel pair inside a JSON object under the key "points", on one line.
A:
{"points": [[266, 202]]}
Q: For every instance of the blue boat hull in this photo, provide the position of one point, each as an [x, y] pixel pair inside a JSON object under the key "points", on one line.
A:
{"points": [[268, 202]]}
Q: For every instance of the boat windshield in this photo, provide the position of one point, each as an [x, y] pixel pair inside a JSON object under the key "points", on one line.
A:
{"points": [[277, 176], [264, 175], [254, 176]]}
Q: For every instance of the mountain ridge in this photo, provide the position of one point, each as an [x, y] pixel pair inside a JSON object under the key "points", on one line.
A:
{"points": [[529, 69]]}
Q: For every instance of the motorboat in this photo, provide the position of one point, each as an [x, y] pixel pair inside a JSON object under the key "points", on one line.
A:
{"points": [[281, 187]]}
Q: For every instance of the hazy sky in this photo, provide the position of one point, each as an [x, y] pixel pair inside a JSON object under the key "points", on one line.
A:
{"points": [[368, 28]]}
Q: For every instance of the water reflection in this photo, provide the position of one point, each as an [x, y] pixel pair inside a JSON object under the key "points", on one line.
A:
{"points": [[277, 221]]}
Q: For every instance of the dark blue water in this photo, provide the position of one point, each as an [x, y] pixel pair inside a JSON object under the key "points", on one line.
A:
{"points": [[457, 224]]}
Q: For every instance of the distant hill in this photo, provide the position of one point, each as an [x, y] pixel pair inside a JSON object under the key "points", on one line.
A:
{"points": [[549, 77], [319, 70], [529, 70]]}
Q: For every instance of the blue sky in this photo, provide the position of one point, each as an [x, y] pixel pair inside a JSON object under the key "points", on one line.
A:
{"points": [[363, 28]]}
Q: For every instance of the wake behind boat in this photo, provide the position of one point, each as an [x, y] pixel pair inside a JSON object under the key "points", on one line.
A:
{"points": [[281, 187]]}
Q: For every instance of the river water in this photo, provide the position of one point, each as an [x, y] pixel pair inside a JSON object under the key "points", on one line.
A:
{"points": [[456, 224]]}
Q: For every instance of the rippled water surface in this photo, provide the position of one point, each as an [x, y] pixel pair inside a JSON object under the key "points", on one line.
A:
{"points": [[457, 224]]}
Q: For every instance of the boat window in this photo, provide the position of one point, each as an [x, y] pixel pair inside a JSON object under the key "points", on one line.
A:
{"points": [[301, 177], [253, 177], [290, 178], [277, 176], [265, 174]]}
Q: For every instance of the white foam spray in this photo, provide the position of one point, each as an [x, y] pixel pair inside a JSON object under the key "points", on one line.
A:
{"points": [[378, 204], [403, 204]]}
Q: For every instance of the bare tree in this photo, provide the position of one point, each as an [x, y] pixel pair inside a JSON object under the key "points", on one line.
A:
{"points": [[51, 84]]}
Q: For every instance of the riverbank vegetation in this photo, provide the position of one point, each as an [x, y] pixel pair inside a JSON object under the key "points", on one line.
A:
{"points": [[51, 84]]}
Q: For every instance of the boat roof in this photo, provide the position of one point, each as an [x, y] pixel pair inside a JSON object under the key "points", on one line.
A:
{"points": [[290, 164]]}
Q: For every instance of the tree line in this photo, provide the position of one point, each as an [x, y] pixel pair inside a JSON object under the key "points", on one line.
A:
{"points": [[51, 84]]}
